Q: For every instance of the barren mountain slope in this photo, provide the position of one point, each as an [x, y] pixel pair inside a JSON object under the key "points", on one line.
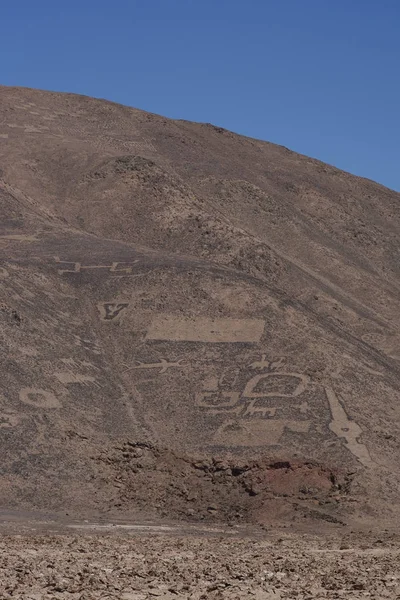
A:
{"points": [[177, 285]]}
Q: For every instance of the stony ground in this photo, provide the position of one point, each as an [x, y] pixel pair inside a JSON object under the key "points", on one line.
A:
{"points": [[86, 567], [172, 285]]}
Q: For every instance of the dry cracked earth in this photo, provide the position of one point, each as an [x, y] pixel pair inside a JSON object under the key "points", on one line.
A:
{"points": [[199, 335]]}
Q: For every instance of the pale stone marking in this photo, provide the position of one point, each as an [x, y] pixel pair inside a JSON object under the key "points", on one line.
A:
{"points": [[68, 378], [345, 428], [204, 329], [20, 238], [78, 364], [163, 365], [298, 379], [39, 398], [253, 409], [77, 267], [233, 399]]}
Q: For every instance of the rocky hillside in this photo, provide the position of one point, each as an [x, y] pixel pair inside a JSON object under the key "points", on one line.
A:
{"points": [[176, 285]]}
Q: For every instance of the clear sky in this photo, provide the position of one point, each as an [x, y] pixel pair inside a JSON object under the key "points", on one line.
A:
{"points": [[321, 77]]}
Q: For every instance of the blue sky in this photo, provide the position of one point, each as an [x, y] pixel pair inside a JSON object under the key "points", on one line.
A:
{"points": [[321, 77]]}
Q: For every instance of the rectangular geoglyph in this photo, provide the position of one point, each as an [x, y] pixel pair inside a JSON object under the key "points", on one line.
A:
{"points": [[205, 329]]}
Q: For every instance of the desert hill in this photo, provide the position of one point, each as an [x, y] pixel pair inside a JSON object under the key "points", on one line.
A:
{"points": [[172, 289]]}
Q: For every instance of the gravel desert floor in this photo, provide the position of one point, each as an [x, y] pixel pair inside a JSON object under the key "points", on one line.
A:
{"points": [[141, 562]]}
